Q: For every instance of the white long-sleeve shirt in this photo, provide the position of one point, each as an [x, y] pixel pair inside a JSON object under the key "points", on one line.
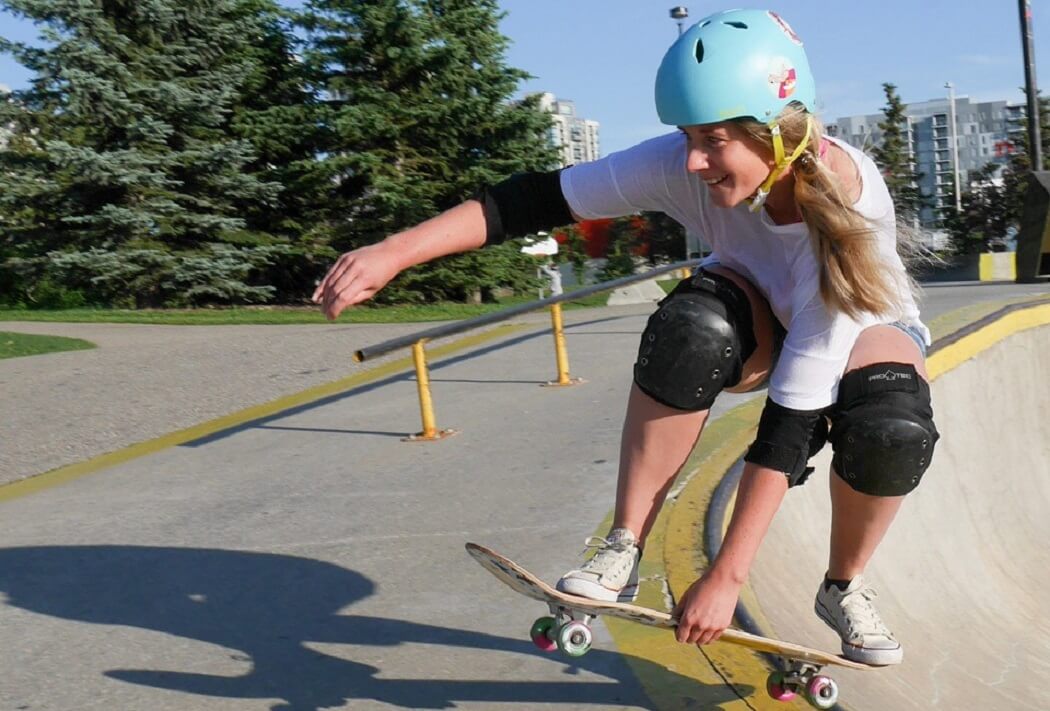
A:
{"points": [[777, 259]]}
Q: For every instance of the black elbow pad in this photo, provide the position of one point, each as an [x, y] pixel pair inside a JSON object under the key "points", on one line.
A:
{"points": [[787, 439], [523, 204]]}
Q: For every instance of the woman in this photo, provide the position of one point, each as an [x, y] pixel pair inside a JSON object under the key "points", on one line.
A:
{"points": [[803, 288]]}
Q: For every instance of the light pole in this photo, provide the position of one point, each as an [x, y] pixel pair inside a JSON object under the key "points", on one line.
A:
{"points": [[1035, 147], [955, 144], [679, 14]]}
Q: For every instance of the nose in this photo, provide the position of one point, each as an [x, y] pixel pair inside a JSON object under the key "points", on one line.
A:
{"points": [[696, 160]]}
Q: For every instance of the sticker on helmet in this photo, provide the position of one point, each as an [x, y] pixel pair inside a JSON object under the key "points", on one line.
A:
{"points": [[785, 27], [782, 78]]}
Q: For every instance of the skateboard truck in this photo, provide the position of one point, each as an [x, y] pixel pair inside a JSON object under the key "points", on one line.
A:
{"points": [[565, 629], [803, 678]]}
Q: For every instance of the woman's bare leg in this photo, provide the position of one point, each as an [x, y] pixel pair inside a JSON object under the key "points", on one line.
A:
{"points": [[657, 439], [858, 524], [860, 521], [655, 443]]}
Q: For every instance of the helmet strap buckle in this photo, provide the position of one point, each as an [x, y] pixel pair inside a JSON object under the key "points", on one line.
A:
{"points": [[781, 162]]}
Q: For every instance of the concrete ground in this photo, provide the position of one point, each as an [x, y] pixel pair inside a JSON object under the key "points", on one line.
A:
{"points": [[299, 555]]}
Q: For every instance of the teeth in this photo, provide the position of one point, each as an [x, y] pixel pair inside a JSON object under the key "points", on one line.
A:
{"points": [[716, 181]]}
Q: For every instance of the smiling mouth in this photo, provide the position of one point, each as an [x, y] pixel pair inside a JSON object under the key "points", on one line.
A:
{"points": [[715, 181]]}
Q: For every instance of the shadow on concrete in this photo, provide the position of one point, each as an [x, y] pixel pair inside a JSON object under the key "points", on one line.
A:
{"points": [[373, 433], [271, 608], [496, 381]]}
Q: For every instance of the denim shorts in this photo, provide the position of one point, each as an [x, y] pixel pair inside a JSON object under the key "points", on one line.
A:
{"points": [[916, 335]]}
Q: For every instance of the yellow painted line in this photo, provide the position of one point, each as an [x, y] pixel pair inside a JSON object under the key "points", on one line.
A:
{"points": [[62, 475], [972, 344], [722, 673]]}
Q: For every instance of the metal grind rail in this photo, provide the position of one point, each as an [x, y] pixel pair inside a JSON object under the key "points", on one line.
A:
{"points": [[417, 341]]}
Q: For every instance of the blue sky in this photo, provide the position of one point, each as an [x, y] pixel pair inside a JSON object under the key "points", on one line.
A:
{"points": [[603, 54]]}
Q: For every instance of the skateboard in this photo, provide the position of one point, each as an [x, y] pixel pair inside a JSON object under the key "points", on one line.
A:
{"points": [[567, 628]]}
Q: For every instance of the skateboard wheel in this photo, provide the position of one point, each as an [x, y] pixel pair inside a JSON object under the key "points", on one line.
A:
{"points": [[540, 634], [822, 692], [776, 689], [574, 638]]}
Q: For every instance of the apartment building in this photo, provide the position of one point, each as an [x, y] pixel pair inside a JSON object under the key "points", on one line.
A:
{"points": [[984, 133], [574, 136]]}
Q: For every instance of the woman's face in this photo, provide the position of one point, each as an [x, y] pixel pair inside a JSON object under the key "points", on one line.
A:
{"points": [[727, 160]]}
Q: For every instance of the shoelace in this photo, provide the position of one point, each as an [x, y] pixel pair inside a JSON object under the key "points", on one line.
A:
{"points": [[861, 614], [605, 558]]}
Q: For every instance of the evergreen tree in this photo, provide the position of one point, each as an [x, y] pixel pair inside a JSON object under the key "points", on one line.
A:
{"points": [[1019, 164], [626, 236], [665, 238], [893, 157], [984, 217], [280, 114], [573, 249], [418, 98], [120, 140]]}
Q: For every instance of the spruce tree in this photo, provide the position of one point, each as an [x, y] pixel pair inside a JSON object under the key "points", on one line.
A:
{"points": [[120, 140], [1019, 163], [982, 221], [893, 158], [280, 114], [418, 96], [665, 237]]}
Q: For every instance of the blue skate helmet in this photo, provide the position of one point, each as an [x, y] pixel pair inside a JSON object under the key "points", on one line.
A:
{"points": [[737, 64]]}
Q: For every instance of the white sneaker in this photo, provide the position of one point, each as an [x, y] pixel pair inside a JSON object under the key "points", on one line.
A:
{"points": [[850, 612], [611, 573]]}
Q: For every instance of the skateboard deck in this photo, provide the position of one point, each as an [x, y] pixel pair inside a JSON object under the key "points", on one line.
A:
{"points": [[568, 631]]}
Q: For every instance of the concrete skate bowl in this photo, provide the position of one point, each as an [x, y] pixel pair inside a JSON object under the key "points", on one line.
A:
{"points": [[964, 573]]}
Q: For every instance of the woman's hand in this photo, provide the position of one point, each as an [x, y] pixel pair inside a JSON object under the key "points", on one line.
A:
{"points": [[706, 609], [355, 277]]}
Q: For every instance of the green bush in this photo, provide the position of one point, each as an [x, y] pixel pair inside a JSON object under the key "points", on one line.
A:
{"points": [[51, 296]]}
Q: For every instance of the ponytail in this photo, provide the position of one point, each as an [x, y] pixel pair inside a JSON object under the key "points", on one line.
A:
{"points": [[853, 276]]}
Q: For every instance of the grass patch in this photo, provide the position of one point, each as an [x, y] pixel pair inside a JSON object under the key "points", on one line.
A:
{"points": [[282, 314], [16, 345]]}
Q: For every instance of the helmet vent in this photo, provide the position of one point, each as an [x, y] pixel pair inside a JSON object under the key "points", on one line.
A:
{"points": [[699, 51], [737, 24]]}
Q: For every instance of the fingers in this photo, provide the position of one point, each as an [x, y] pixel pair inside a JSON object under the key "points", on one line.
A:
{"points": [[355, 277], [338, 296], [710, 636], [341, 287], [698, 634], [695, 628], [335, 273]]}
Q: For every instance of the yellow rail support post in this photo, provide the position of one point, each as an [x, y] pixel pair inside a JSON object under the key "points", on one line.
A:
{"points": [[560, 353], [426, 405]]}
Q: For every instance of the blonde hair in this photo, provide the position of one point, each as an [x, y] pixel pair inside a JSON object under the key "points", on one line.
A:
{"points": [[852, 273]]}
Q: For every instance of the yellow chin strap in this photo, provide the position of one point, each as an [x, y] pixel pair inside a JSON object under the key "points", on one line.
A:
{"points": [[781, 162]]}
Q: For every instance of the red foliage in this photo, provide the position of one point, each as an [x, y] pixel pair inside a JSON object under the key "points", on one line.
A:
{"points": [[596, 235], [640, 229]]}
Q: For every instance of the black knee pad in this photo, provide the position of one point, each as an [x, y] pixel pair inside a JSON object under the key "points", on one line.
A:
{"points": [[696, 343], [882, 429]]}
